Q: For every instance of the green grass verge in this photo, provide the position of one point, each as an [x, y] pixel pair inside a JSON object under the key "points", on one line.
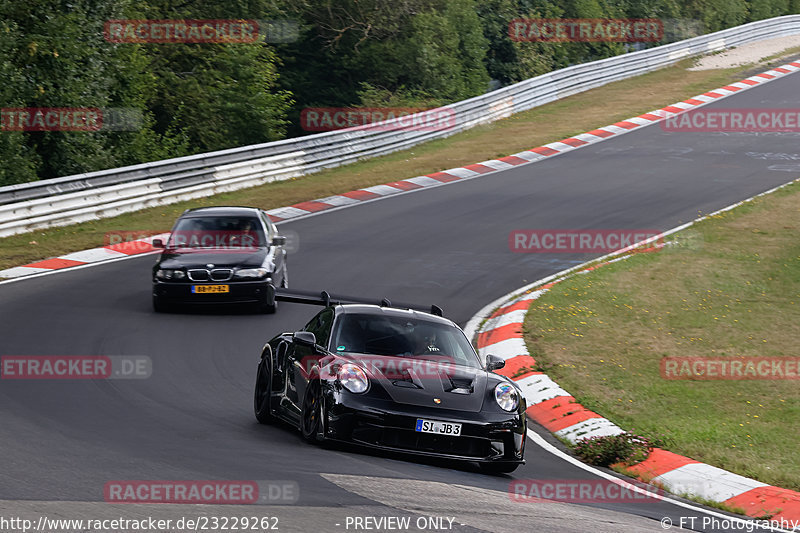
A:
{"points": [[730, 288]]}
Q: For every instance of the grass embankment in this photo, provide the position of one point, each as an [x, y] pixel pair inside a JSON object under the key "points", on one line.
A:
{"points": [[732, 290], [552, 122]]}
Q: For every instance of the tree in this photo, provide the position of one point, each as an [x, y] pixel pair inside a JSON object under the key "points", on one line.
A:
{"points": [[59, 58], [216, 95], [19, 161], [419, 52]]}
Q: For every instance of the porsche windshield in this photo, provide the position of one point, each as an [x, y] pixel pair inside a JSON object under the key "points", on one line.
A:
{"points": [[378, 334], [217, 232]]}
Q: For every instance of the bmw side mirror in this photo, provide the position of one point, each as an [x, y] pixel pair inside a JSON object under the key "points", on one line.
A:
{"points": [[278, 240], [494, 362], [304, 338], [158, 243]]}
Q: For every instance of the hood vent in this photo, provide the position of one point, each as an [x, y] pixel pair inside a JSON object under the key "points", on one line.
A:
{"points": [[463, 384], [407, 379]]}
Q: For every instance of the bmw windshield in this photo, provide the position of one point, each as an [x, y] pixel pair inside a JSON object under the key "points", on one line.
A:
{"points": [[217, 232]]}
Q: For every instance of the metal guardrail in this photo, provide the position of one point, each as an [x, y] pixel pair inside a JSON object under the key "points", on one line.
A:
{"points": [[106, 193]]}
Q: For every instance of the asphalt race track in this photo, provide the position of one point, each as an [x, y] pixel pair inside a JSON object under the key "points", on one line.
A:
{"points": [[61, 441]]}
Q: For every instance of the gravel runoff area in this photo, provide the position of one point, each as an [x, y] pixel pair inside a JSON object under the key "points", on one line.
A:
{"points": [[748, 53]]}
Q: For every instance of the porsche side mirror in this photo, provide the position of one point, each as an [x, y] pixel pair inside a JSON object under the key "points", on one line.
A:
{"points": [[494, 362], [279, 240], [304, 338], [158, 243]]}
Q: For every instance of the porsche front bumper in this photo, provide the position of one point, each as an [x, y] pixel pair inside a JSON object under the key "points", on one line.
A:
{"points": [[485, 437]]}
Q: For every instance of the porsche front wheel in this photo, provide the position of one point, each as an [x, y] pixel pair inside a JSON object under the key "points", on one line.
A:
{"points": [[263, 392], [311, 415]]}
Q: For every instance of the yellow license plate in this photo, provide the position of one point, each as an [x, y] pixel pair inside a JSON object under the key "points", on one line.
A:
{"points": [[210, 289]]}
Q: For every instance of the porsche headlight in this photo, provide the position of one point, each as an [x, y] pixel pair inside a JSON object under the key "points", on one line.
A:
{"points": [[352, 378], [251, 273], [167, 273], [506, 397]]}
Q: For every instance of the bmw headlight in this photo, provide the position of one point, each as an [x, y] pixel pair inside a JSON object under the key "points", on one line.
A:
{"points": [[352, 378], [251, 273], [167, 274], [507, 397]]}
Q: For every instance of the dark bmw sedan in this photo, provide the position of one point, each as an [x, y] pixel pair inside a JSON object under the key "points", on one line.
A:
{"points": [[220, 255]]}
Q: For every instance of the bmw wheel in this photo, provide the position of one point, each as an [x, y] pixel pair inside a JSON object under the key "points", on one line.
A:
{"points": [[158, 305]]}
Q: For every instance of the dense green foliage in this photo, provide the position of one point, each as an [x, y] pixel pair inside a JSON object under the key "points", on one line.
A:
{"points": [[199, 97]]}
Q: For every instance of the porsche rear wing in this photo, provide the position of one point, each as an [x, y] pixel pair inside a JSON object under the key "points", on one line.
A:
{"points": [[325, 299]]}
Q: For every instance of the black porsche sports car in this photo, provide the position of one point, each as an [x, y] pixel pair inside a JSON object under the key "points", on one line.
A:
{"points": [[218, 255], [391, 378]]}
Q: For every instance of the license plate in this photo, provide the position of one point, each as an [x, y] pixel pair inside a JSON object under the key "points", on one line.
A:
{"points": [[439, 428], [210, 289]]}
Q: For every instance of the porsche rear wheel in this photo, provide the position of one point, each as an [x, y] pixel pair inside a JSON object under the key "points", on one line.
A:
{"points": [[311, 416]]}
